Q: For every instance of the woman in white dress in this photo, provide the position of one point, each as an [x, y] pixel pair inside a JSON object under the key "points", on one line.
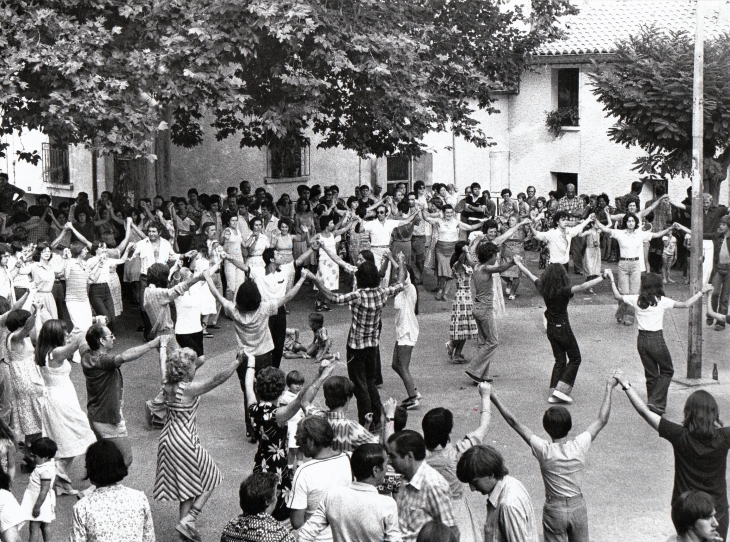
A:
{"points": [[327, 271], [63, 419], [43, 276], [232, 243], [257, 243], [200, 290]]}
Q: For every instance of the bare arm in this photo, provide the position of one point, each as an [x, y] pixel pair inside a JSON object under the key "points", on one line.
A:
{"points": [[16, 307], [657, 235], [294, 291], [605, 410], [616, 294], [586, 285], [522, 430], [650, 417], [67, 350], [334, 257], [651, 207], [712, 314], [519, 262], [305, 396], [603, 227], [78, 236], [694, 299], [678, 205], [510, 232], [196, 389], [60, 237], [24, 331], [139, 351], [480, 433]]}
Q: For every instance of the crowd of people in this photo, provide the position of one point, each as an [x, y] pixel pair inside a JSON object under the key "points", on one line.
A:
{"points": [[67, 274]]}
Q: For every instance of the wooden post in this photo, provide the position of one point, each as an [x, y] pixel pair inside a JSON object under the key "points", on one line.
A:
{"points": [[694, 353]]}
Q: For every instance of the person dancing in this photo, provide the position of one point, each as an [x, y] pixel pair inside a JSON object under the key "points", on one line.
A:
{"points": [[555, 289], [463, 326]]}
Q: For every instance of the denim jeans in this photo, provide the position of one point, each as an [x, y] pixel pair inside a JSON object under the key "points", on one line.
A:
{"points": [[658, 367], [100, 297], [362, 371], [488, 340], [565, 351], [629, 283], [565, 519], [721, 293]]}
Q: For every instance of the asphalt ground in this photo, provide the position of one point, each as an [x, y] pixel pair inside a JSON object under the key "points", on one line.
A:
{"points": [[627, 480]]}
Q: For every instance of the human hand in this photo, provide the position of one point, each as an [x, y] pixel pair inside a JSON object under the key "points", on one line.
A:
{"points": [[389, 407], [36, 510], [618, 374], [707, 288], [163, 340], [592, 216], [612, 382], [67, 226], [517, 258], [485, 389], [305, 274], [402, 257]]}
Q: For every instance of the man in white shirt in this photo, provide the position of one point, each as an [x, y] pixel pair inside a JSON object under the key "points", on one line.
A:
{"points": [[380, 231], [326, 470], [152, 250], [558, 239], [357, 512]]}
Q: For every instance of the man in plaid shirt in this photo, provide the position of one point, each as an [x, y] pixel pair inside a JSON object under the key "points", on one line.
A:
{"points": [[363, 341], [573, 205]]}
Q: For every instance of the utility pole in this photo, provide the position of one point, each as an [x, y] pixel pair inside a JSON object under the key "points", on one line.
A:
{"points": [[694, 347]]}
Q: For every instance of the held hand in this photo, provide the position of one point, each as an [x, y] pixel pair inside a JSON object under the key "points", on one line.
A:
{"points": [[368, 420], [485, 389], [618, 374], [612, 382], [305, 274], [517, 259], [163, 340], [402, 257], [67, 226], [707, 288], [389, 407], [592, 216]]}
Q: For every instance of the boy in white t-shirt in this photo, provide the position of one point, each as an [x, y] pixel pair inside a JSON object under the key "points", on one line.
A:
{"points": [[561, 462]]}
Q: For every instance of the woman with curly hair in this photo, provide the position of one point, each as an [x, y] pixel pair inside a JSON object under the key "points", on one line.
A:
{"points": [[554, 287], [269, 423], [185, 471]]}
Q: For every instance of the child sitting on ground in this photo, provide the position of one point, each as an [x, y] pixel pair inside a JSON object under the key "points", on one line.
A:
{"points": [[294, 383], [561, 462], [321, 342], [39, 500]]}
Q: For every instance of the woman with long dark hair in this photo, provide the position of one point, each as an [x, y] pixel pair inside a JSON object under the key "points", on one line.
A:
{"points": [[555, 289], [649, 307], [463, 326], [700, 444], [63, 420]]}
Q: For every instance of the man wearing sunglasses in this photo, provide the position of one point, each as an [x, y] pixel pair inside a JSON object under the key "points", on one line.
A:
{"points": [[104, 384]]}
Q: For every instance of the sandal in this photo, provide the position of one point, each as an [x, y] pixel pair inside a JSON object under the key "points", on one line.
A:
{"points": [[512, 296], [188, 532]]}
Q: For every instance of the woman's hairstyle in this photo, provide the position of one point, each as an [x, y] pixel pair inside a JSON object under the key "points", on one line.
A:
{"points": [[40, 247], [558, 216], [52, 335], [303, 205], [248, 296], [445, 207], [603, 196], [76, 248], [437, 425], [324, 221], [83, 210], [553, 280], [44, 447], [199, 242], [407, 441], [16, 320], [105, 464], [318, 430], [337, 391], [284, 199], [626, 219], [179, 363], [367, 275], [541, 199], [689, 507], [486, 251], [506, 192], [257, 491], [270, 383], [366, 457], [557, 422], [651, 291], [286, 222], [435, 531], [367, 255], [701, 415], [254, 220], [226, 217], [480, 461], [215, 198], [351, 200], [131, 212], [522, 196], [157, 274], [458, 251], [489, 225]]}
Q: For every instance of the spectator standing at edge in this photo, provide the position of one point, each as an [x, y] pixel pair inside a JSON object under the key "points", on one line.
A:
{"points": [[720, 273], [7, 194], [573, 206]]}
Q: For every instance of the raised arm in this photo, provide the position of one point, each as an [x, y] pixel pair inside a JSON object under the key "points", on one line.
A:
{"points": [[659, 234], [67, 350], [480, 433], [522, 430], [519, 262], [678, 204], [24, 331], [228, 305], [196, 389], [651, 207], [334, 257], [603, 227], [60, 237], [636, 401], [306, 394], [605, 410], [694, 299], [428, 218], [510, 232], [295, 289], [78, 236], [588, 284], [616, 294], [138, 351]]}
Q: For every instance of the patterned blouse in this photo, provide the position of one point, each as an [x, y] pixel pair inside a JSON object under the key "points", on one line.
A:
{"points": [[258, 528], [111, 514]]}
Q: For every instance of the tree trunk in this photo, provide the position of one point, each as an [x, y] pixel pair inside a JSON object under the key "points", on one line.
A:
{"points": [[715, 174]]}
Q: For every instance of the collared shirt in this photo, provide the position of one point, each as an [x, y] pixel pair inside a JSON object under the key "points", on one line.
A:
{"points": [[272, 285], [149, 255], [113, 513], [356, 513], [257, 528], [631, 245], [157, 306], [571, 205], [558, 242], [104, 385], [366, 305], [348, 433], [710, 219], [424, 498], [510, 517], [380, 231]]}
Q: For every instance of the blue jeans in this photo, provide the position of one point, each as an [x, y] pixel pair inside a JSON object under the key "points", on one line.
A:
{"points": [[565, 519], [565, 351], [658, 368]]}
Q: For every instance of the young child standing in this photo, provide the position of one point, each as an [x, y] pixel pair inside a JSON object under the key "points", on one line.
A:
{"points": [[39, 499], [321, 346], [294, 383], [561, 460], [669, 256], [592, 255], [649, 307]]}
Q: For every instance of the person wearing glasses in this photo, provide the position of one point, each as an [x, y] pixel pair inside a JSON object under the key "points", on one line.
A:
{"points": [[380, 231], [104, 384]]}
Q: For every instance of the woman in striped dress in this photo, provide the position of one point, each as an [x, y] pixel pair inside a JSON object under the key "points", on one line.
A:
{"points": [[463, 325], [185, 471]]}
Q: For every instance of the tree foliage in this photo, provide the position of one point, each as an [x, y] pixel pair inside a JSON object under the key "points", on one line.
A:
{"points": [[373, 76], [649, 90]]}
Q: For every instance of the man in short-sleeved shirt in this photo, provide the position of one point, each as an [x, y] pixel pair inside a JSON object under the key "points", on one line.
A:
{"points": [[561, 464]]}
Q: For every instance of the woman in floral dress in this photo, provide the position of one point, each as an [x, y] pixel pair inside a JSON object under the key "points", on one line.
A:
{"points": [[463, 326]]}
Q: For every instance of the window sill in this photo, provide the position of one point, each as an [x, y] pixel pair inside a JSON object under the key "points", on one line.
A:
{"points": [[285, 180], [58, 186], [570, 128]]}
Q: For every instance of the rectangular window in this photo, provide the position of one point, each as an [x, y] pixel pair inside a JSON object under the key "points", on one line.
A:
{"points": [[287, 159], [563, 179], [568, 84], [55, 164], [399, 171]]}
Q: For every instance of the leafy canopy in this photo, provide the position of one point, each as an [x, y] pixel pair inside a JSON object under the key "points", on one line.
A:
{"points": [[649, 90], [373, 76]]}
